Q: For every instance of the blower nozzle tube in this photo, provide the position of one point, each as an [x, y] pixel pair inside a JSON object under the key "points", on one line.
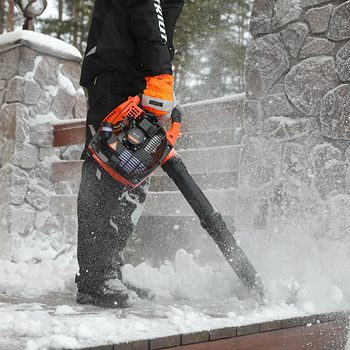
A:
{"points": [[211, 220]]}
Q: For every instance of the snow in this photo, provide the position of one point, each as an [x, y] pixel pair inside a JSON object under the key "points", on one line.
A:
{"points": [[40, 42], [217, 100], [38, 308]]}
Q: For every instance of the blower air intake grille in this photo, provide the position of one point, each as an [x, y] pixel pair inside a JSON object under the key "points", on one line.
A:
{"points": [[146, 158]]}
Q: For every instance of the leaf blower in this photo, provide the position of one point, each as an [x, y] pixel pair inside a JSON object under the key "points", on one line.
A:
{"points": [[131, 144]]}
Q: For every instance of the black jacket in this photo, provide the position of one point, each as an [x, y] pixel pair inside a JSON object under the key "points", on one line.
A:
{"points": [[131, 36]]}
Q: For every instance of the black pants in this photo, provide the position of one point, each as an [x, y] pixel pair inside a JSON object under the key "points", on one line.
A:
{"points": [[107, 210]]}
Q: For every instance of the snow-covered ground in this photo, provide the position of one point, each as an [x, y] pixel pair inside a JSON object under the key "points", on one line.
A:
{"points": [[38, 308]]}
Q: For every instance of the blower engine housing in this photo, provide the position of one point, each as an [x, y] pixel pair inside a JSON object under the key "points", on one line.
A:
{"points": [[132, 149]]}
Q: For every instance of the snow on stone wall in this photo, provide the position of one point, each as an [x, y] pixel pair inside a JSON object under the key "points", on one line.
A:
{"points": [[295, 164], [39, 85]]}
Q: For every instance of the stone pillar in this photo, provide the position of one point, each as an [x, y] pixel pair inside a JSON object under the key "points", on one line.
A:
{"points": [[295, 165], [39, 85]]}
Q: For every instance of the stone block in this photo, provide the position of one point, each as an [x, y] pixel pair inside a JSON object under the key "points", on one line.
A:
{"points": [[337, 217], [318, 18], [43, 172], [44, 103], [14, 122], [286, 129], [277, 105], [296, 164], [343, 63], [2, 95], [72, 152], [4, 232], [22, 90], [80, 106], [254, 117], [307, 82], [293, 37], [6, 151], [24, 59], [260, 163], [21, 219], [316, 47], [49, 152], [261, 17], [339, 26], [41, 134], [266, 62], [314, 139], [72, 71], [308, 3], [285, 12], [335, 113], [63, 104], [14, 184], [24, 155], [2, 147], [329, 170], [37, 197], [253, 210], [46, 73]]}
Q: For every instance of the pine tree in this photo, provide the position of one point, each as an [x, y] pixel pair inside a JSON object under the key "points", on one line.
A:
{"points": [[211, 40], [72, 22], [7, 15]]}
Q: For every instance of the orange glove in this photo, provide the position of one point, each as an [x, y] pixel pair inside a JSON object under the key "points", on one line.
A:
{"points": [[158, 97]]}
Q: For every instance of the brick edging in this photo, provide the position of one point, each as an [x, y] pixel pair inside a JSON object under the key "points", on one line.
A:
{"points": [[179, 340]]}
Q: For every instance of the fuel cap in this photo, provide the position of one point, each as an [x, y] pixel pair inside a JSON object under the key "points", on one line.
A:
{"points": [[135, 136]]}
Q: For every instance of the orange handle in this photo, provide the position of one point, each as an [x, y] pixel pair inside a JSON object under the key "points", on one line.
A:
{"points": [[126, 109]]}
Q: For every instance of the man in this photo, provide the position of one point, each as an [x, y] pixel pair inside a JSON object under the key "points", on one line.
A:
{"points": [[129, 51]]}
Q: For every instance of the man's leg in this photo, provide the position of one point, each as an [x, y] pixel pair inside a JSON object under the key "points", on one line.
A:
{"points": [[107, 215]]}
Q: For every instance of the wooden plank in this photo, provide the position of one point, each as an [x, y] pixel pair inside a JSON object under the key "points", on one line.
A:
{"points": [[69, 133]]}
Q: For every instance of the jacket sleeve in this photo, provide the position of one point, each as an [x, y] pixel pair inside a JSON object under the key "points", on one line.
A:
{"points": [[149, 29], [171, 13]]}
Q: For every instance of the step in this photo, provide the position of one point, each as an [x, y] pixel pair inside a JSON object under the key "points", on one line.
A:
{"points": [[174, 204], [170, 203], [66, 170], [216, 114], [160, 181], [213, 138], [69, 133], [201, 161]]}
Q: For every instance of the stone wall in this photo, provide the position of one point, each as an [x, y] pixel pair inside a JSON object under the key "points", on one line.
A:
{"points": [[295, 165], [39, 86]]}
